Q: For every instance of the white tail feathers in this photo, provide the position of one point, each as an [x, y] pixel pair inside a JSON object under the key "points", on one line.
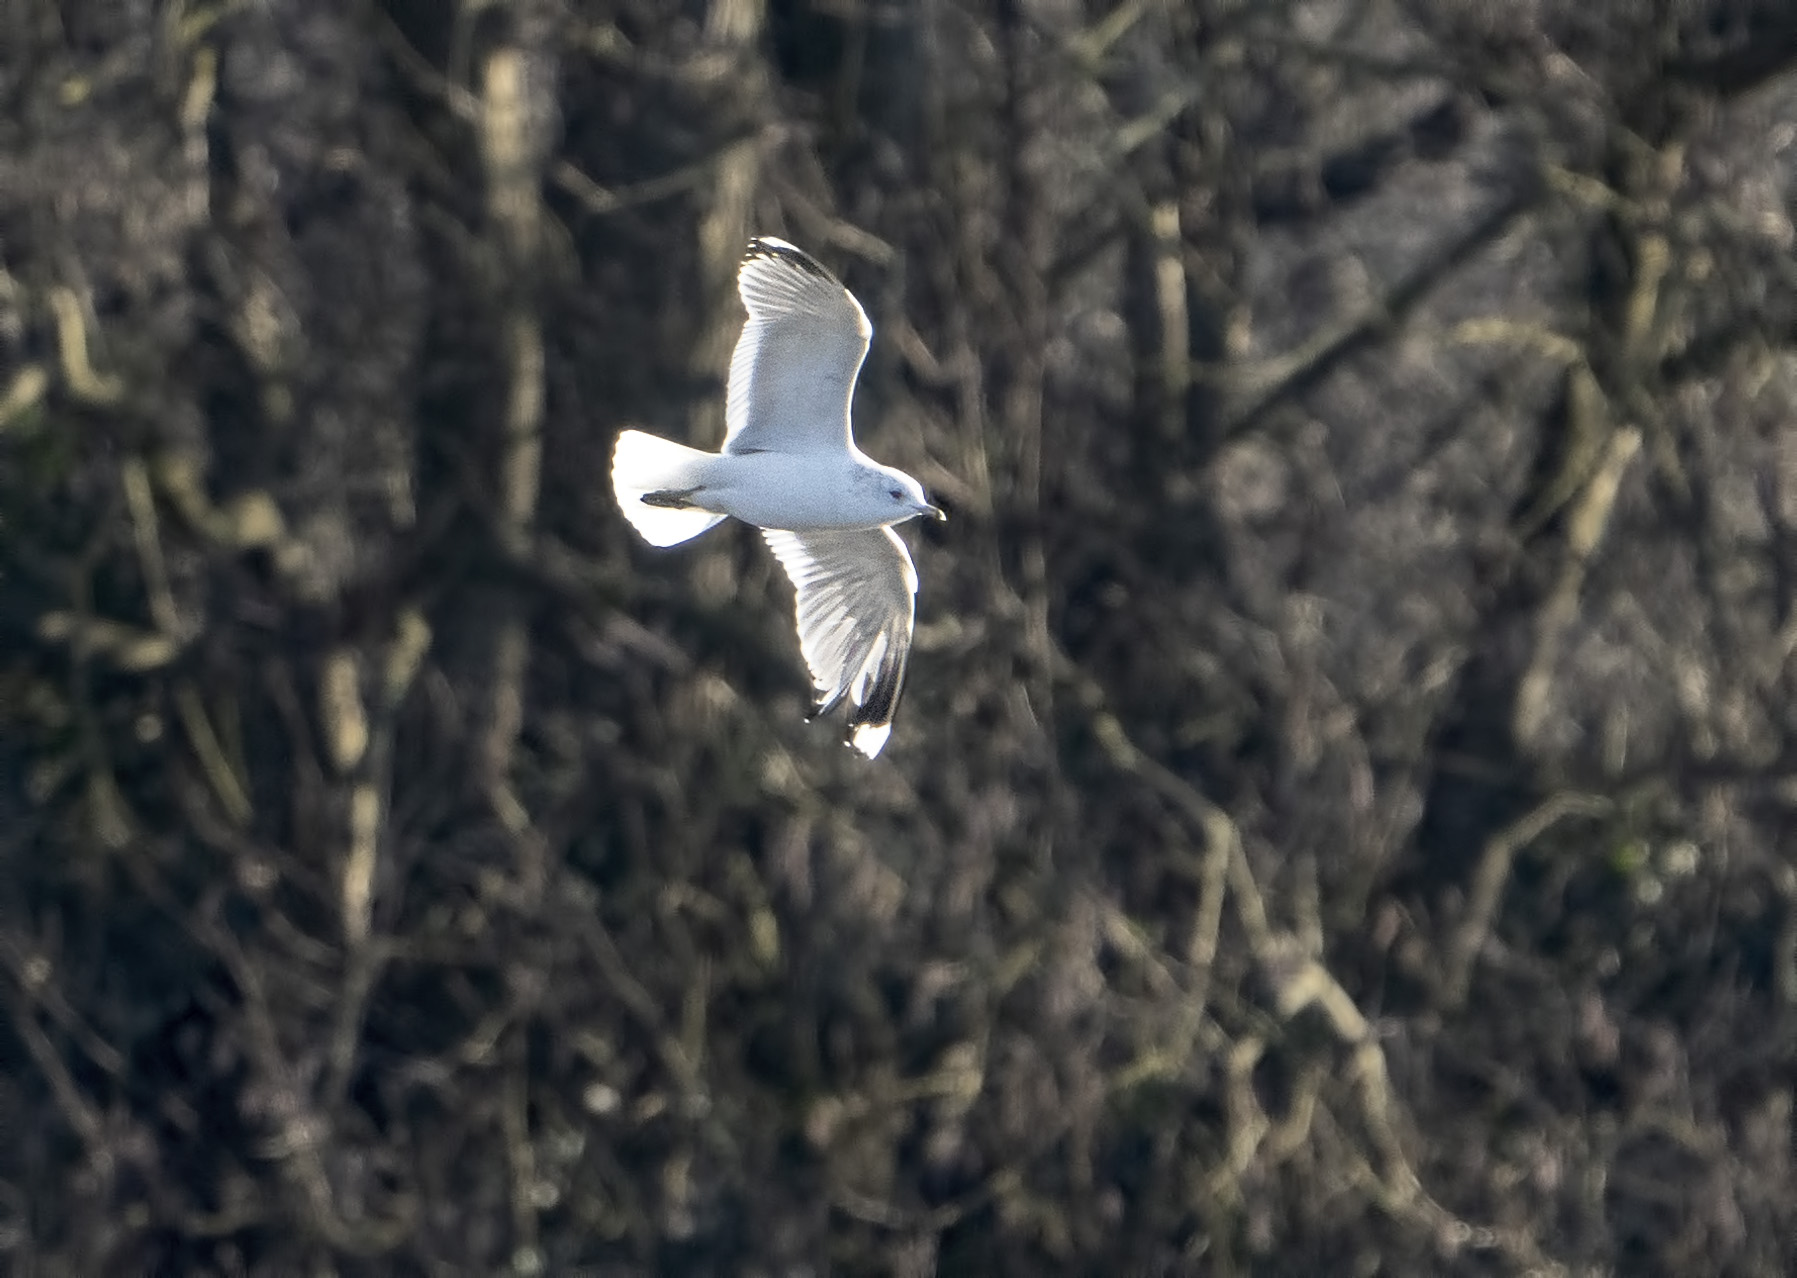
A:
{"points": [[644, 465]]}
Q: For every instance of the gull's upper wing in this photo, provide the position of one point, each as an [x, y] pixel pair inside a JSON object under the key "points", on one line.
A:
{"points": [[856, 591], [794, 370]]}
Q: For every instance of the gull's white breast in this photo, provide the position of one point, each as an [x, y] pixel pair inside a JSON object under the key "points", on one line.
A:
{"points": [[798, 492]]}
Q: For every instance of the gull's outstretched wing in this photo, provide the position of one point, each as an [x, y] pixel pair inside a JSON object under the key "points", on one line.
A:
{"points": [[856, 591], [795, 365]]}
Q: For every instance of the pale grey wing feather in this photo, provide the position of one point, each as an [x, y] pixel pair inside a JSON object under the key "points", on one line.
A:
{"points": [[856, 591], [794, 370]]}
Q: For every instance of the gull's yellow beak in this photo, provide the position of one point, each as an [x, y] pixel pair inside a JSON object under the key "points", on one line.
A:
{"points": [[937, 513]]}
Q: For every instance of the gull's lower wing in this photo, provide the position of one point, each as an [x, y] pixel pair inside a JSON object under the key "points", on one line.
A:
{"points": [[794, 370], [856, 593]]}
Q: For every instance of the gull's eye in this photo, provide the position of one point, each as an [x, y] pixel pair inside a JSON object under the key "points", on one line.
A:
{"points": [[897, 494]]}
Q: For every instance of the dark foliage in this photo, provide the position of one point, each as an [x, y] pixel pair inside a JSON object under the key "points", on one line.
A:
{"points": [[1341, 819]]}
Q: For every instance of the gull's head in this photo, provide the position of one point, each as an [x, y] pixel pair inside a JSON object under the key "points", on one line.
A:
{"points": [[906, 496]]}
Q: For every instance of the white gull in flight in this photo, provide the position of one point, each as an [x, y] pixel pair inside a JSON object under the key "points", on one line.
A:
{"points": [[789, 466]]}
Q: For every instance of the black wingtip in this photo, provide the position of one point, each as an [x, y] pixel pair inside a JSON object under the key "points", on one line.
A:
{"points": [[766, 247], [873, 716], [824, 705], [883, 693]]}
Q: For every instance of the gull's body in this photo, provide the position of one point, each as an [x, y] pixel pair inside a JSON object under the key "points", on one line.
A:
{"points": [[789, 466], [799, 492]]}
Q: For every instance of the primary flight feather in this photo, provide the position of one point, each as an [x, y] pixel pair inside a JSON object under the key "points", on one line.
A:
{"points": [[789, 465]]}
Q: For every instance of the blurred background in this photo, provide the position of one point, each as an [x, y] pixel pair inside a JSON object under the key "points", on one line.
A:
{"points": [[1342, 815]]}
